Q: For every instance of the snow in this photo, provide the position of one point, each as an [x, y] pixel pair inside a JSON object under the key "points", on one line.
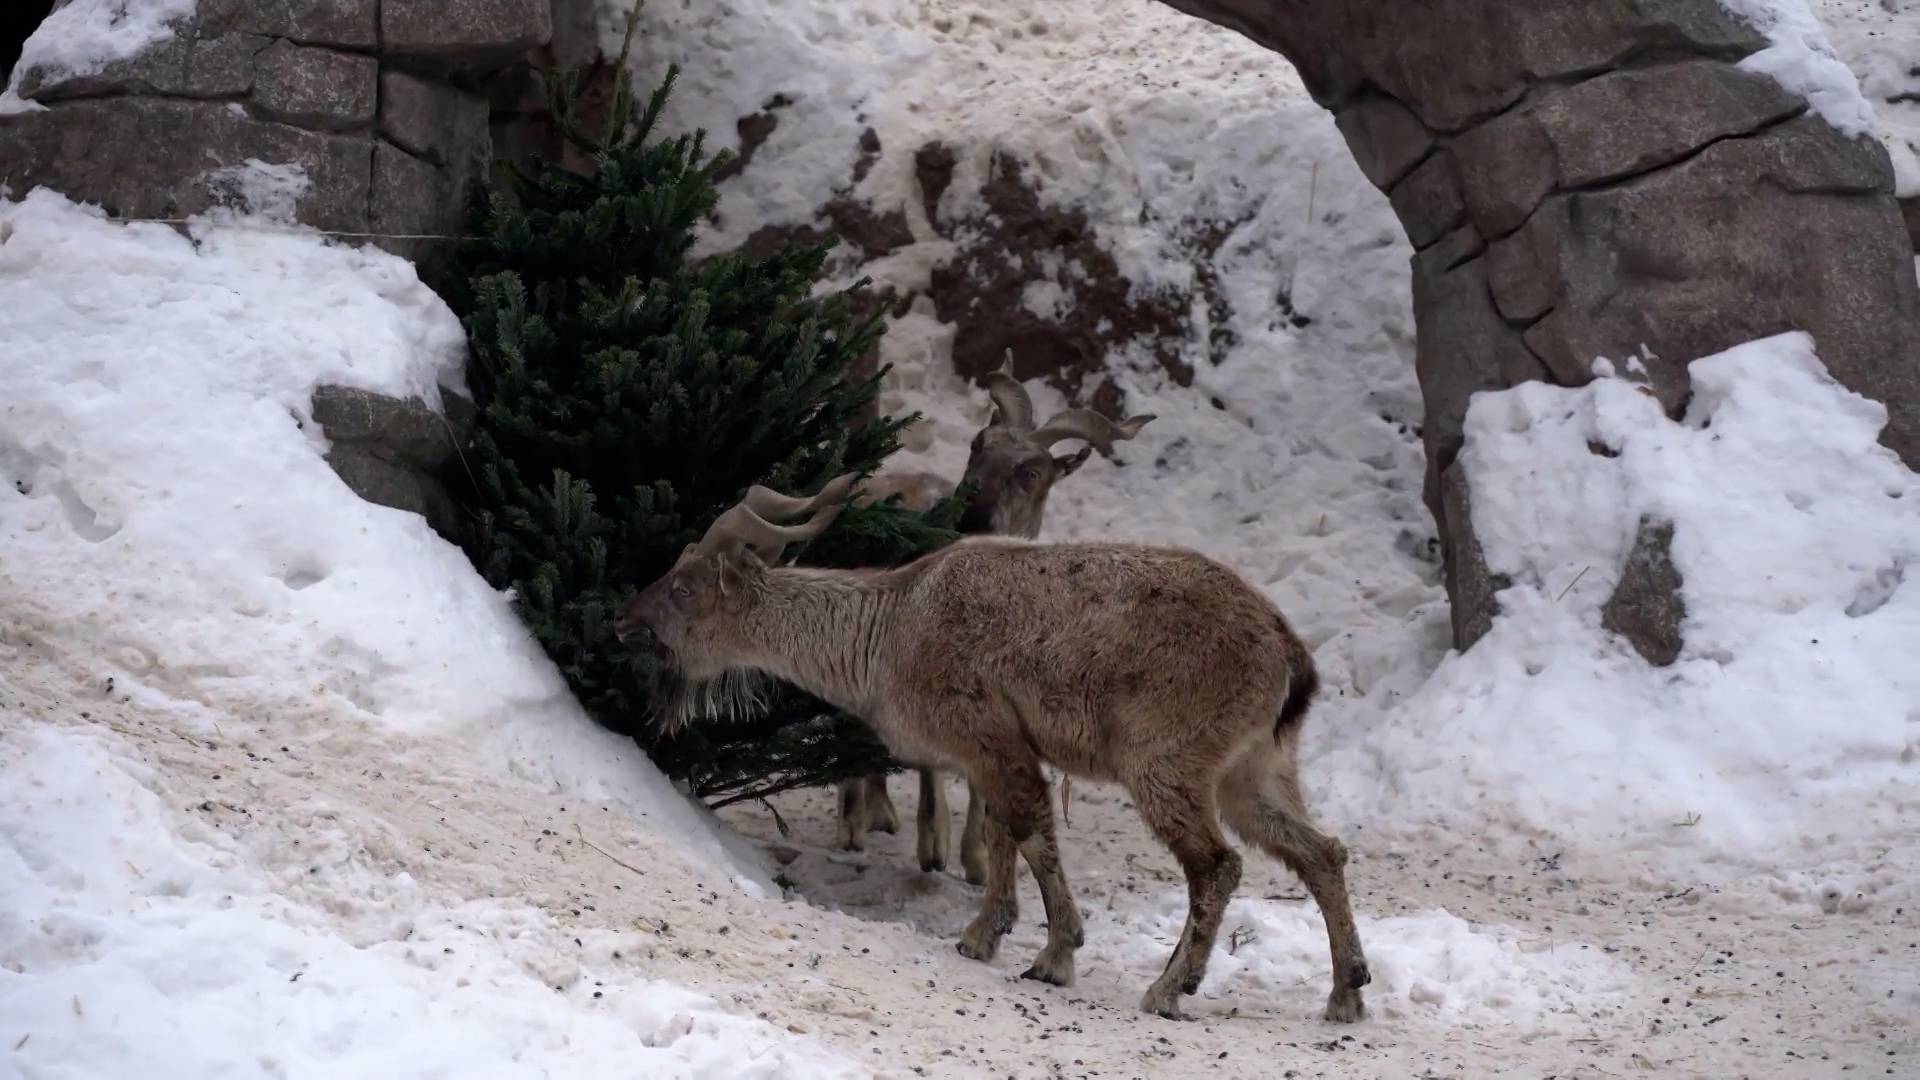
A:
{"points": [[1801, 59], [257, 729], [83, 37], [1879, 40], [1790, 719], [135, 941], [166, 513]]}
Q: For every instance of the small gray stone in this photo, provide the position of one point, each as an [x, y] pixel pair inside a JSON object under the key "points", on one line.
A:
{"points": [[1386, 139], [1647, 606], [430, 119], [182, 66], [475, 34], [1428, 201], [154, 157], [316, 88]]}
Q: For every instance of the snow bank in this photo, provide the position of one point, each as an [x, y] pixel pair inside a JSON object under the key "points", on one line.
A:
{"points": [[163, 500], [1790, 723], [135, 940], [1802, 60], [1112, 103], [85, 36], [1433, 968]]}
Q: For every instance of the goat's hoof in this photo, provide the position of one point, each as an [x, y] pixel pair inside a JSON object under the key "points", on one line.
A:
{"points": [[1345, 1006], [1192, 984], [932, 864], [978, 944], [1357, 975], [1164, 1004], [1053, 968], [885, 825]]}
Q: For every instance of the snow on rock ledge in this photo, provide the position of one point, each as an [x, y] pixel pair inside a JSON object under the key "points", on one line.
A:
{"points": [[1786, 727], [165, 504]]}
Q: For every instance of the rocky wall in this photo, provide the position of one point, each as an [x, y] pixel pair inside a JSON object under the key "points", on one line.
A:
{"points": [[383, 107], [1588, 178]]}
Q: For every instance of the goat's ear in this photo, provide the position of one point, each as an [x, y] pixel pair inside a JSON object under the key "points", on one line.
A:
{"points": [[732, 569], [1069, 462]]}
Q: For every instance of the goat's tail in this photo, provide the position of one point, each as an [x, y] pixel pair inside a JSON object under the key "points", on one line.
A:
{"points": [[1302, 682]]}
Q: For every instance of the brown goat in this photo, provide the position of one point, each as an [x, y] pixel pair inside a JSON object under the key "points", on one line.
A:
{"points": [[1010, 470], [1157, 668]]}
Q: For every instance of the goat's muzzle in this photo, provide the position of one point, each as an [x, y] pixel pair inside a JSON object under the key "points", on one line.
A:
{"points": [[634, 634], [976, 519]]}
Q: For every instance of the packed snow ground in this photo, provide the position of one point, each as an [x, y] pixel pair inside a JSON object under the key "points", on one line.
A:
{"points": [[283, 789]]}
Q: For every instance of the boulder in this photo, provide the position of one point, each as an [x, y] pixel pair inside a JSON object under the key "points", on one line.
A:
{"points": [[392, 452], [1428, 201], [347, 24], [431, 120], [159, 157], [186, 65], [469, 34], [405, 431], [1462, 346], [1607, 128], [316, 88], [1387, 140], [1690, 260]]}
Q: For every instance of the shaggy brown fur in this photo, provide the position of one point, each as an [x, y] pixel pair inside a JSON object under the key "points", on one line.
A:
{"points": [[1155, 668], [1011, 469]]}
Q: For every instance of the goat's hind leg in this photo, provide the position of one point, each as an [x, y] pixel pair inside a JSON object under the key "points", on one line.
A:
{"points": [[1182, 816], [932, 821], [1260, 798], [1065, 933], [973, 844]]}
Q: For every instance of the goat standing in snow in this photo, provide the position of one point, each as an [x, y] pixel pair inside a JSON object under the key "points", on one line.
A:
{"points": [[1156, 668], [1011, 469]]}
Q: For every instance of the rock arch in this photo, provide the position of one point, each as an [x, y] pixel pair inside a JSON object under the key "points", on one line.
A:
{"points": [[1585, 178]]}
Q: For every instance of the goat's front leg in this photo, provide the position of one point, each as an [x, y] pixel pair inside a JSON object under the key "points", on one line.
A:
{"points": [[932, 821], [853, 814], [881, 816], [999, 908]]}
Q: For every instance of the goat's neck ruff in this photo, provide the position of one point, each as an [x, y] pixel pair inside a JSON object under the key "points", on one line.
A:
{"points": [[821, 630]]}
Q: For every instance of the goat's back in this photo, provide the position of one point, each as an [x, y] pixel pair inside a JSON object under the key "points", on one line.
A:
{"points": [[1098, 633]]}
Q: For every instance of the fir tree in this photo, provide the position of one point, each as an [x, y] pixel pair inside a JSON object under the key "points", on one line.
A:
{"points": [[628, 395]]}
